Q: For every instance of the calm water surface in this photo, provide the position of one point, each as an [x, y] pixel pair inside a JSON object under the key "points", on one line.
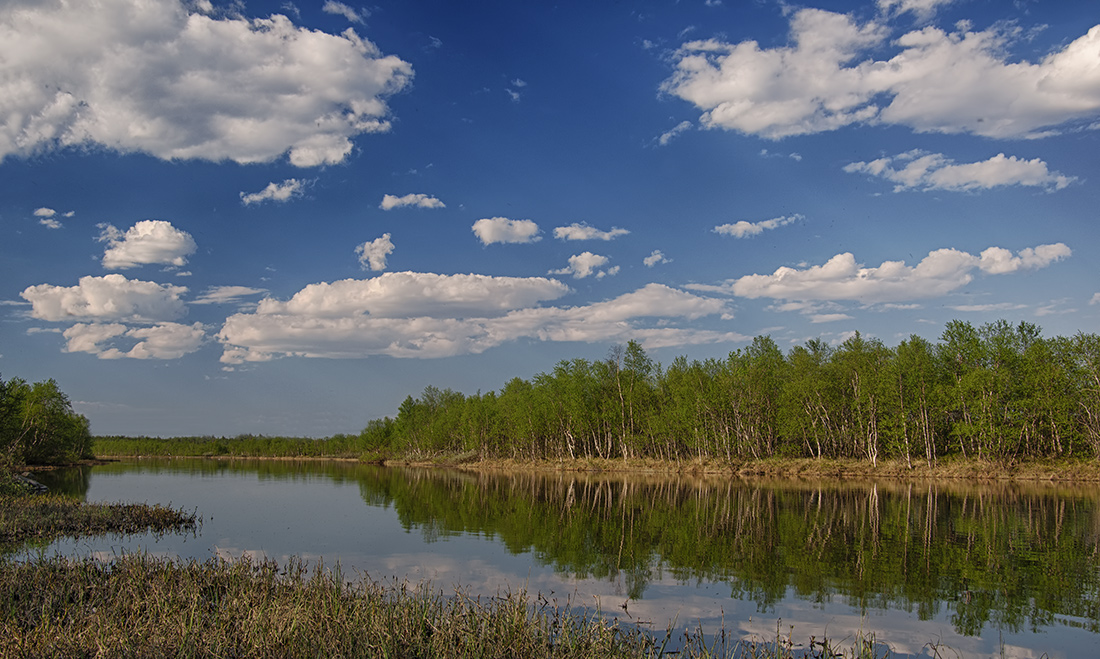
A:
{"points": [[978, 569]]}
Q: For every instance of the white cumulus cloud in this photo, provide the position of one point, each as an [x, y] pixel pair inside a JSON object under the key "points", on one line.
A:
{"points": [[826, 78], [503, 230], [373, 253], [284, 191], [581, 231], [147, 242], [390, 201], [656, 257], [470, 314], [108, 298], [165, 78], [587, 264], [398, 294], [743, 229], [935, 171], [842, 278], [999, 261], [161, 341]]}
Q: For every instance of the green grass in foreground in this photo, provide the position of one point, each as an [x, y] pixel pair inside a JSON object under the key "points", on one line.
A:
{"points": [[143, 606]]}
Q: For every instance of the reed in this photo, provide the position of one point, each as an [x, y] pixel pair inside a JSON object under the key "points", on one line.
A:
{"points": [[41, 518], [138, 606]]}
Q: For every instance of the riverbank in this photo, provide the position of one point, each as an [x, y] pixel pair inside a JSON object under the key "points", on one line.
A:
{"points": [[1048, 471], [1066, 471]]}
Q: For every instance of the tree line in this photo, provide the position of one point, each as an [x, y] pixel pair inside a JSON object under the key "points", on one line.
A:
{"points": [[38, 425], [998, 392]]}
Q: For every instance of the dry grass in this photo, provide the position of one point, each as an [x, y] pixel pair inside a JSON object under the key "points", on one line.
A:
{"points": [[1053, 471]]}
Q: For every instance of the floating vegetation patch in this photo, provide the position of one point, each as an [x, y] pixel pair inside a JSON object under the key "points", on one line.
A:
{"points": [[49, 516]]}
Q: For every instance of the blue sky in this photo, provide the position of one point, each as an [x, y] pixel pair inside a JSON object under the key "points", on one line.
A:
{"points": [[282, 218]]}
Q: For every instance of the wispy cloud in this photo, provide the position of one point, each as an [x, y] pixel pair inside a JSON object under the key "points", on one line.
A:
{"points": [[935, 171], [280, 192], [581, 231], [389, 202], [743, 229]]}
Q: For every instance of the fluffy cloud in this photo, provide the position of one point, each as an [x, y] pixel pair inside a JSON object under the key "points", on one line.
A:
{"points": [[373, 253], [580, 231], [655, 258], [162, 341], [743, 229], [999, 261], [404, 294], [227, 294], [938, 81], [148, 241], [502, 230], [587, 264], [108, 298], [47, 217], [377, 317], [284, 191], [157, 77], [390, 201], [934, 171], [841, 278]]}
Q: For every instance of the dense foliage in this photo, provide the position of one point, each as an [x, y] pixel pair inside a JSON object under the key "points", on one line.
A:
{"points": [[38, 425], [241, 446], [995, 392]]}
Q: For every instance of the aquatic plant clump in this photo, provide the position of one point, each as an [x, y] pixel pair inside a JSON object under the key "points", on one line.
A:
{"points": [[45, 517]]}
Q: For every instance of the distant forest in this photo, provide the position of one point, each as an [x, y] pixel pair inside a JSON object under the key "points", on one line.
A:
{"points": [[997, 392]]}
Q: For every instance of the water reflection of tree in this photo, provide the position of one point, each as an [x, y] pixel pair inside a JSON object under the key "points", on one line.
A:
{"points": [[1008, 556]]}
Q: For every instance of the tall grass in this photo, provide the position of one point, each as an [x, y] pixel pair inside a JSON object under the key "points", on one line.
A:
{"points": [[141, 606]]}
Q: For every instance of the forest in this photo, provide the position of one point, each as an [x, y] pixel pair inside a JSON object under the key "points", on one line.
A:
{"points": [[994, 392], [38, 425]]}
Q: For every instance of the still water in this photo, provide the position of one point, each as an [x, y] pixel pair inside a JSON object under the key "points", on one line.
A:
{"points": [[981, 570]]}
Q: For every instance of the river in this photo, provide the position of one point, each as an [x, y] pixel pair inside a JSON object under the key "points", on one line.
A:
{"points": [[977, 570]]}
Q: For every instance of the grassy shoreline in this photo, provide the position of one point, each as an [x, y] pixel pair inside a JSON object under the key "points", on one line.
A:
{"points": [[138, 605], [1067, 471]]}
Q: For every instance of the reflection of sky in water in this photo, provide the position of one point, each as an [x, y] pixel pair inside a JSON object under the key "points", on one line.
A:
{"points": [[319, 520]]}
